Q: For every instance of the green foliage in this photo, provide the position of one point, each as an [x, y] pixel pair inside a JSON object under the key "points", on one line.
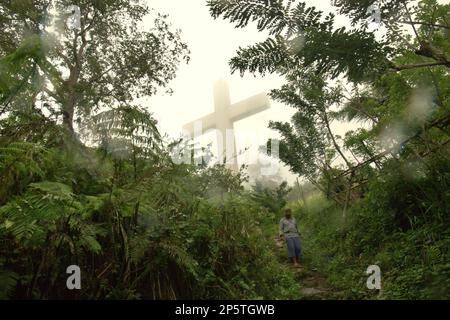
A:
{"points": [[396, 85], [162, 231], [110, 60], [301, 38], [139, 225], [407, 236], [273, 200], [388, 178], [142, 226], [17, 70]]}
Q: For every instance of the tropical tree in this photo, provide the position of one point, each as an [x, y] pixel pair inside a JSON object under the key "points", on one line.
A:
{"points": [[339, 73], [108, 60]]}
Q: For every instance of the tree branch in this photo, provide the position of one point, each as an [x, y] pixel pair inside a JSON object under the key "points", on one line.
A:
{"points": [[438, 123], [420, 65], [426, 24]]}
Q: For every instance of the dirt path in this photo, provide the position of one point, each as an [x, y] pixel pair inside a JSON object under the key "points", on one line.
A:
{"points": [[313, 286]]}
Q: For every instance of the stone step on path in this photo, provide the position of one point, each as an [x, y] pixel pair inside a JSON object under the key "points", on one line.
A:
{"points": [[313, 285]]}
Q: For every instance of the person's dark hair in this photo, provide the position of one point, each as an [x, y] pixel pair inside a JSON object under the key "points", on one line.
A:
{"points": [[288, 213]]}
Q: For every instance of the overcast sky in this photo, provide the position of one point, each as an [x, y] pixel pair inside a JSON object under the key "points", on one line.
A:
{"points": [[212, 44]]}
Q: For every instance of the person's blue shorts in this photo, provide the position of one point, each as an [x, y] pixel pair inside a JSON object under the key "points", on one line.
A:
{"points": [[293, 247]]}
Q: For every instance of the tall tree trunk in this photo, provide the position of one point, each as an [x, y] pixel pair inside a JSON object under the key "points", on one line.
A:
{"points": [[74, 77], [71, 98], [68, 116]]}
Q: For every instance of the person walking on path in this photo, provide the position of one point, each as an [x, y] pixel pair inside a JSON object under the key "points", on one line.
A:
{"points": [[288, 229]]}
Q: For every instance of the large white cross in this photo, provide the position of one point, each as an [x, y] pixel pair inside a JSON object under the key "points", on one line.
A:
{"points": [[223, 117]]}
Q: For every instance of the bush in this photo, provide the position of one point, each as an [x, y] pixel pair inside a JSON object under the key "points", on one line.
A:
{"points": [[403, 231], [157, 230]]}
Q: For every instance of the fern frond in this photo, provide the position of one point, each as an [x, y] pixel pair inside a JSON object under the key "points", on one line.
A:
{"points": [[8, 280], [262, 57], [135, 127], [30, 214], [183, 259], [270, 14]]}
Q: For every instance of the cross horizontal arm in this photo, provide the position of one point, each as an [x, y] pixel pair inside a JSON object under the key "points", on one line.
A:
{"points": [[249, 107]]}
